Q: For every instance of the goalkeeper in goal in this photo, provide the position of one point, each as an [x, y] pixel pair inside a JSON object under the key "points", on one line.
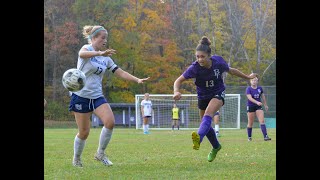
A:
{"points": [[175, 117], [207, 74]]}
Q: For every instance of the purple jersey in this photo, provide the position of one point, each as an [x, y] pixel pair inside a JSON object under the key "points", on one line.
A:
{"points": [[255, 94], [209, 82]]}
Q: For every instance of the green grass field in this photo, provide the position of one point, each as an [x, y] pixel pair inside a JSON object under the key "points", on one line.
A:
{"points": [[163, 154]]}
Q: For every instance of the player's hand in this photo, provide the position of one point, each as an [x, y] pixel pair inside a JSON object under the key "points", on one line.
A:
{"points": [[259, 103], [177, 95], [107, 52], [266, 108], [253, 75], [142, 80]]}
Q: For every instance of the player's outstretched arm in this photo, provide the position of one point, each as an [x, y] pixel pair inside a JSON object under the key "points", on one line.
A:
{"points": [[127, 76], [236, 72], [85, 53], [176, 87]]}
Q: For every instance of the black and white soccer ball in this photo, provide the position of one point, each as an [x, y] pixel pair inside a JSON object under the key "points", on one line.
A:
{"points": [[73, 80]]}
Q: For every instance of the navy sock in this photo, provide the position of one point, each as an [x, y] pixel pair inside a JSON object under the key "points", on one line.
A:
{"points": [[249, 131], [211, 135]]}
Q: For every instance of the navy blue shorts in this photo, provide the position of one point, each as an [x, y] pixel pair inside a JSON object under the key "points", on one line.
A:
{"points": [[84, 105]]}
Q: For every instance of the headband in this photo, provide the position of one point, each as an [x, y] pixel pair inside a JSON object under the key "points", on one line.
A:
{"points": [[96, 31]]}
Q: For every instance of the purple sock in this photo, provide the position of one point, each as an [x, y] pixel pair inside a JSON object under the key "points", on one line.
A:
{"points": [[211, 135], [204, 126], [178, 127], [249, 131], [263, 129], [172, 127]]}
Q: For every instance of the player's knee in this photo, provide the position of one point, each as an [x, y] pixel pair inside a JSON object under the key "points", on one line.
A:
{"points": [[83, 134], [109, 124]]}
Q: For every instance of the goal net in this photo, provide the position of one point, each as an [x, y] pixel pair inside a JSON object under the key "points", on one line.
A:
{"points": [[162, 105]]}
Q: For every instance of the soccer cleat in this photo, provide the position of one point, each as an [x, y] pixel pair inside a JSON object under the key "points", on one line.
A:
{"points": [[195, 140], [213, 153], [249, 139], [103, 158], [77, 163], [267, 138], [146, 132]]}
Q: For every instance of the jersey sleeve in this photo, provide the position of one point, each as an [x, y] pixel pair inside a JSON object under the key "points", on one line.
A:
{"points": [[224, 65], [190, 72], [111, 66], [248, 90]]}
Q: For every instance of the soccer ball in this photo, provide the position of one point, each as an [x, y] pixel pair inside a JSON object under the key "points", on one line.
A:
{"points": [[73, 79]]}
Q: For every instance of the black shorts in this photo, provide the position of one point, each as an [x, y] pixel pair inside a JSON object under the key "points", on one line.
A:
{"points": [[203, 104], [253, 108]]}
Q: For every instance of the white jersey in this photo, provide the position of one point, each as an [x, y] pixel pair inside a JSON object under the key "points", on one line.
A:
{"points": [[147, 107], [94, 69]]}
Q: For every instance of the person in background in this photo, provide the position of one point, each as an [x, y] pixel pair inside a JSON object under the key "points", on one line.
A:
{"points": [[207, 72], [254, 108], [95, 121], [94, 60], [146, 112], [175, 116], [45, 103], [216, 120]]}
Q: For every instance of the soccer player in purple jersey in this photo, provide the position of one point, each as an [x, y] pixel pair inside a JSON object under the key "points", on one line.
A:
{"points": [[254, 108], [207, 73]]}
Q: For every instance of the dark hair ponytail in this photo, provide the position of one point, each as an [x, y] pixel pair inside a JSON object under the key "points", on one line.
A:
{"points": [[204, 45]]}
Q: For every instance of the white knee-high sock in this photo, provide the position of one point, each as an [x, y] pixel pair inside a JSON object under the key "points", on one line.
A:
{"points": [[216, 127], [144, 128], [147, 127], [78, 147], [105, 137]]}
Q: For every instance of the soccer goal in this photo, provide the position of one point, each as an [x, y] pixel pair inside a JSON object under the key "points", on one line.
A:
{"points": [[162, 105]]}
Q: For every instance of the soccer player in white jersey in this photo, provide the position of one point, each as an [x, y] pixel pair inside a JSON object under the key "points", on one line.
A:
{"points": [[94, 59], [146, 112]]}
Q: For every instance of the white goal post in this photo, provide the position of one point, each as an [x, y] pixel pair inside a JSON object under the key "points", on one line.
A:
{"points": [[162, 105]]}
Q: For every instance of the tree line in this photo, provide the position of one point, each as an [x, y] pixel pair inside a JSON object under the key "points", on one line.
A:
{"points": [[157, 38]]}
